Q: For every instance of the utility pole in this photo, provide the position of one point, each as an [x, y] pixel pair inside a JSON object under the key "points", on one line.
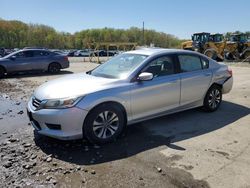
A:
{"points": [[143, 33]]}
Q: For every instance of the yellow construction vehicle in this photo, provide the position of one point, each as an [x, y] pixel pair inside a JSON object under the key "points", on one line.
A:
{"points": [[212, 45], [237, 47]]}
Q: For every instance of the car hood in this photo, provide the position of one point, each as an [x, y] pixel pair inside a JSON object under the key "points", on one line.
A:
{"points": [[72, 86]]}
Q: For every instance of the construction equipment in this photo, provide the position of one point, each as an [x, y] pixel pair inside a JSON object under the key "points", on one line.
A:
{"points": [[212, 45], [237, 47], [216, 46]]}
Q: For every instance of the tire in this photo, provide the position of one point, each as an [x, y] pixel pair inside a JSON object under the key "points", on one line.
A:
{"points": [[2, 72], [54, 68], [211, 53], [229, 56], [247, 54], [104, 124], [212, 99]]}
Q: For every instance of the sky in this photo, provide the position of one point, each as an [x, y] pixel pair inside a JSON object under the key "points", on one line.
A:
{"points": [[178, 17]]}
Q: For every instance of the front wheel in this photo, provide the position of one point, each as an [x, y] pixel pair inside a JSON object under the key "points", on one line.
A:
{"points": [[104, 124], [213, 99]]}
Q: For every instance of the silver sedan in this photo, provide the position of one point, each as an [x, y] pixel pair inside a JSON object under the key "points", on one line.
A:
{"points": [[129, 88]]}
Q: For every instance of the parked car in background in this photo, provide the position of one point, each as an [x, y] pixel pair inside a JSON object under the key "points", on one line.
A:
{"points": [[104, 53], [129, 88], [83, 53], [15, 49], [59, 52], [2, 52], [71, 53], [33, 59]]}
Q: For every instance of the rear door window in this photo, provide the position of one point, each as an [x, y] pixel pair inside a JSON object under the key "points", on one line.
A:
{"points": [[39, 53], [28, 54], [189, 63]]}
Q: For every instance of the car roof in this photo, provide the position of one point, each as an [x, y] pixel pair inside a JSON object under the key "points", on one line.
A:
{"points": [[158, 51]]}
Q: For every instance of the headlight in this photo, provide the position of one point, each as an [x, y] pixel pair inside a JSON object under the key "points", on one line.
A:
{"points": [[61, 103]]}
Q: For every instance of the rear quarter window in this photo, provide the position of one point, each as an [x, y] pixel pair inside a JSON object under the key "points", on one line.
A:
{"points": [[205, 63]]}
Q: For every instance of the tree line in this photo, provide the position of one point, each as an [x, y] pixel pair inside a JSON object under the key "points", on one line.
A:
{"points": [[16, 34]]}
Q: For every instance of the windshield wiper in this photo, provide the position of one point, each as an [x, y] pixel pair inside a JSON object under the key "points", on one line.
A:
{"points": [[89, 72]]}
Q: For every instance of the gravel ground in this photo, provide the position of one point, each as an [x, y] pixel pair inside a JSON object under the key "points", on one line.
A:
{"points": [[187, 149]]}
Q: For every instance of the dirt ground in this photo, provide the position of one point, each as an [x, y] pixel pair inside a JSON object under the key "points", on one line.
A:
{"points": [[187, 149]]}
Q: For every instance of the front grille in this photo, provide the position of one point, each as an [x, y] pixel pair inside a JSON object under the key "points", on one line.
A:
{"points": [[36, 102]]}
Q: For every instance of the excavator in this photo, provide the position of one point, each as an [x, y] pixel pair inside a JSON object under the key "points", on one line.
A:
{"points": [[212, 45], [237, 47]]}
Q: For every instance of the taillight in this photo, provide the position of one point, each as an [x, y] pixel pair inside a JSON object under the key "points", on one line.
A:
{"points": [[66, 58], [229, 70]]}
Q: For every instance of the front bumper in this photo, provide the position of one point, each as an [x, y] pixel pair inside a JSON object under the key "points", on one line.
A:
{"points": [[70, 121]]}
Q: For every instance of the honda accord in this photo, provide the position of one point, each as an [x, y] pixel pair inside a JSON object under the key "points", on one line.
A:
{"points": [[131, 87]]}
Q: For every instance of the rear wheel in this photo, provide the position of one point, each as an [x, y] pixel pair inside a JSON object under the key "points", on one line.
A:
{"points": [[213, 99], [247, 55], [104, 124], [54, 68], [229, 56], [2, 72]]}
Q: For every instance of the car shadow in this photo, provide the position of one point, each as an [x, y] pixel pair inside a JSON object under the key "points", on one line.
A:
{"points": [[137, 138], [35, 73]]}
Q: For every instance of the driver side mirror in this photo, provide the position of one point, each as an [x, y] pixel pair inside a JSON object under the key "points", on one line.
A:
{"points": [[145, 76], [192, 37], [13, 57]]}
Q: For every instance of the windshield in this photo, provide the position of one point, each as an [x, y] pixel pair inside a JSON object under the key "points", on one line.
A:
{"points": [[238, 38], [120, 66], [243, 38], [217, 38], [11, 54]]}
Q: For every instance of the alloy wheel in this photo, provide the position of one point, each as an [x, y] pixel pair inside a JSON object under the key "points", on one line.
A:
{"points": [[214, 98], [106, 124]]}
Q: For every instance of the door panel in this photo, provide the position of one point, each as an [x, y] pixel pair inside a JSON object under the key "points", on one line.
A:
{"points": [[195, 78], [155, 96], [194, 85], [38, 63], [40, 60], [22, 61], [19, 64]]}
